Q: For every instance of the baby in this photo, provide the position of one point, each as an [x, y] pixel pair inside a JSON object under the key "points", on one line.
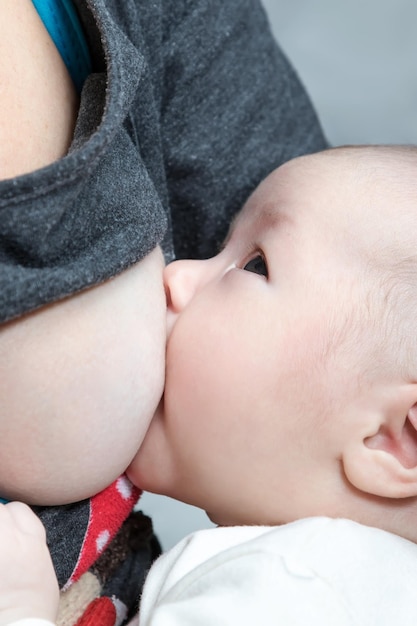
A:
{"points": [[289, 412]]}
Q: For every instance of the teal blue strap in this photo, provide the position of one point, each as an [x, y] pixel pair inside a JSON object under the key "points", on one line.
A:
{"points": [[3, 501], [64, 27]]}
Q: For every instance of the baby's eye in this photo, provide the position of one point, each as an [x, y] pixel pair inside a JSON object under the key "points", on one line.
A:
{"points": [[257, 265]]}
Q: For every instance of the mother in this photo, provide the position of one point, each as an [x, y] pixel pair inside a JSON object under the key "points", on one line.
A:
{"points": [[186, 106]]}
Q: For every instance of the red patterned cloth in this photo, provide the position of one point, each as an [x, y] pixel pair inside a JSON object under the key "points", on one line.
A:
{"points": [[108, 510], [102, 550], [100, 612]]}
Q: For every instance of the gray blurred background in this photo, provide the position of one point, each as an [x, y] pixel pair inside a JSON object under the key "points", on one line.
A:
{"points": [[358, 61]]}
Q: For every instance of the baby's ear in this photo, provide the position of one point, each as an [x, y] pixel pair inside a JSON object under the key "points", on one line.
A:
{"points": [[384, 462]]}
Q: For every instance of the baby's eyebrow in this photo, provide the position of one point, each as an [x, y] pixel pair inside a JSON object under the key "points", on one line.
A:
{"points": [[269, 217]]}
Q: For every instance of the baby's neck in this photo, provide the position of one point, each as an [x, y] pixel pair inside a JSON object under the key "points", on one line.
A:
{"points": [[394, 516]]}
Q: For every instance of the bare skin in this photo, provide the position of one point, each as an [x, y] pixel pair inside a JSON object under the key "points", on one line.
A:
{"points": [[38, 101]]}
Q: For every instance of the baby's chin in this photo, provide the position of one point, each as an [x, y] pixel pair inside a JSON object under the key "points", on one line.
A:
{"points": [[149, 469]]}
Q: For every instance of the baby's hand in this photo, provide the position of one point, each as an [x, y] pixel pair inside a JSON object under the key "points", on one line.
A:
{"points": [[28, 586]]}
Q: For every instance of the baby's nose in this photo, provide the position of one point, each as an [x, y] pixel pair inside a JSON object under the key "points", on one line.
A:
{"points": [[182, 280]]}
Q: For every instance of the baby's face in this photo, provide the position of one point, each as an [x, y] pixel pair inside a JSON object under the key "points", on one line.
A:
{"points": [[79, 383], [250, 389]]}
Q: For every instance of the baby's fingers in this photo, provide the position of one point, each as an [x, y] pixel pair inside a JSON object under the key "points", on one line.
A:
{"points": [[28, 585], [24, 519]]}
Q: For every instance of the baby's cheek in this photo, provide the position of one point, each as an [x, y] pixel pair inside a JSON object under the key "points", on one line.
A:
{"points": [[151, 467]]}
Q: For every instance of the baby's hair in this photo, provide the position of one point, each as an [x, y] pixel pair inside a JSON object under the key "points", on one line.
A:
{"points": [[372, 330], [389, 303]]}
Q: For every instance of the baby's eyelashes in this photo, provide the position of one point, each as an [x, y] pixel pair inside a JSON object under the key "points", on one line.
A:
{"points": [[257, 265]]}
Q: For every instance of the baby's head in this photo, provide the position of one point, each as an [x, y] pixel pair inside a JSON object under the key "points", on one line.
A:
{"points": [[291, 376]]}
